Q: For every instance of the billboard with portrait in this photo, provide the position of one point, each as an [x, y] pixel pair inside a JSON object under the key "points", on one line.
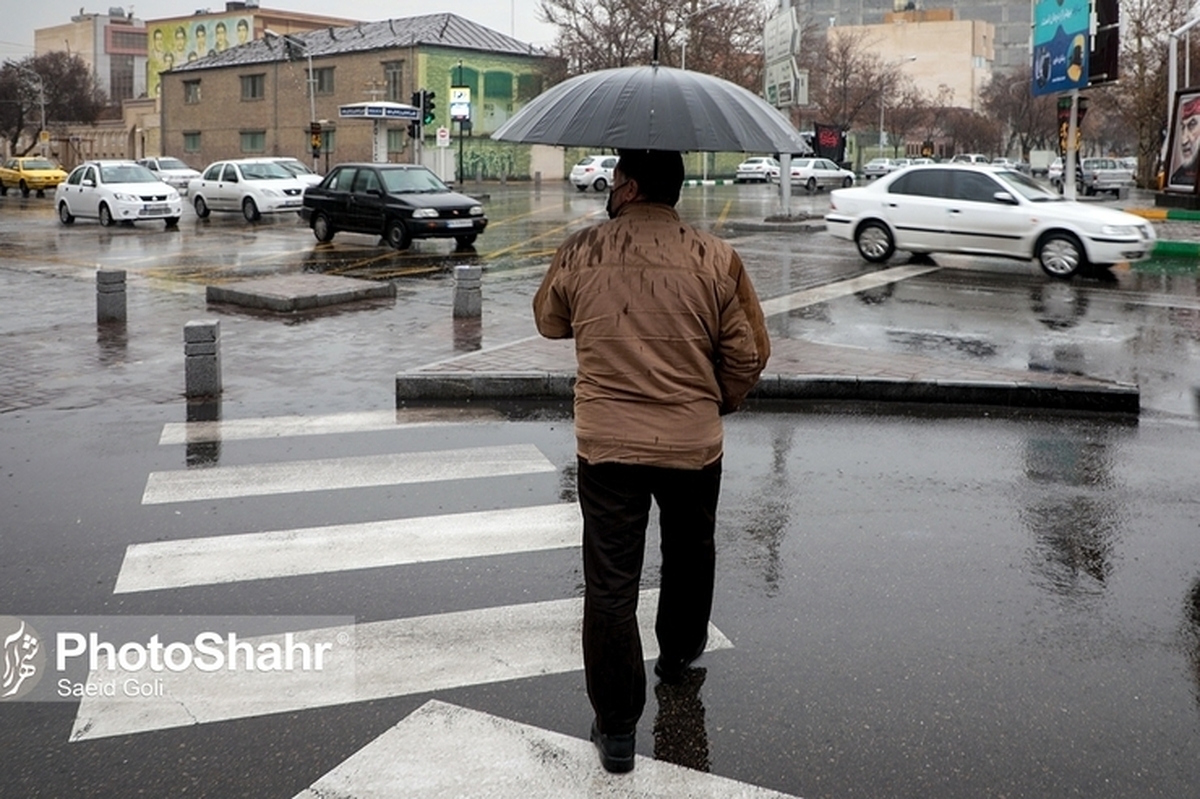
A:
{"points": [[179, 41], [1185, 142]]}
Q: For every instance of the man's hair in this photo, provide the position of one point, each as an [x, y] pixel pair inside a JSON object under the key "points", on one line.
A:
{"points": [[659, 173]]}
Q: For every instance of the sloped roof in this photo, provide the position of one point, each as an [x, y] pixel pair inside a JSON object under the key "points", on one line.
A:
{"points": [[436, 30]]}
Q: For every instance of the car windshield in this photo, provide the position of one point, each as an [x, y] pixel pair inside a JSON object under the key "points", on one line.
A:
{"points": [[296, 168], [171, 163], [39, 163], [265, 171], [1026, 186], [127, 173], [412, 181]]}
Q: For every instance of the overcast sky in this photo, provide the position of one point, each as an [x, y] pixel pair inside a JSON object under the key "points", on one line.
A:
{"points": [[516, 18]]}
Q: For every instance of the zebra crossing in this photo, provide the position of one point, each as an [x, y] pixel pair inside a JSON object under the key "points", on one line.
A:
{"points": [[387, 658]]}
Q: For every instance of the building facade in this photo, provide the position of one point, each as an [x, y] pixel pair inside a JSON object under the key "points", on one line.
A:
{"points": [[112, 44], [261, 99], [935, 50], [1010, 20]]}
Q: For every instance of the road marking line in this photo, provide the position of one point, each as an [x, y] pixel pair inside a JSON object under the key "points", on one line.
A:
{"points": [[354, 422], [833, 291], [504, 760], [318, 550], [225, 482], [379, 660]]}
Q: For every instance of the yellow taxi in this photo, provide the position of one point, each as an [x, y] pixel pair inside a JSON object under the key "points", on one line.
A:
{"points": [[33, 173]]}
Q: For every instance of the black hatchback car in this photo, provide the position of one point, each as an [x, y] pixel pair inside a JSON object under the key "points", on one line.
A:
{"points": [[399, 202]]}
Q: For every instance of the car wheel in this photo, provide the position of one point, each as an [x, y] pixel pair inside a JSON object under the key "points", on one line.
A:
{"points": [[24, 189], [64, 214], [847, 183], [874, 242], [322, 228], [3, 189], [201, 207], [106, 217], [600, 184], [1060, 254], [810, 185], [464, 241], [397, 235], [250, 210], [171, 222]]}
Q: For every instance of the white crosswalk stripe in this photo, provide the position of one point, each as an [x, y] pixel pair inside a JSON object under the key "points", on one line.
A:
{"points": [[315, 550], [391, 658], [505, 760], [287, 426], [225, 482]]}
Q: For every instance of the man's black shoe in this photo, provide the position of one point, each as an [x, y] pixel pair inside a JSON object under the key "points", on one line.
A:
{"points": [[616, 751], [671, 671]]}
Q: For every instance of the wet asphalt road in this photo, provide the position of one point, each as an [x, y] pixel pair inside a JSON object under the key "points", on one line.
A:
{"points": [[922, 604]]}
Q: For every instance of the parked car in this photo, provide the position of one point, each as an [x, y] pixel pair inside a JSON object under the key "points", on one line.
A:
{"points": [[593, 172], [813, 173], [254, 186], [877, 168], [399, 202], [1054, 174], [967, 208], [299, 169], [1103, 174], [171, 171], [759, 169], [30, 175], [116, 191], [969, 158]]}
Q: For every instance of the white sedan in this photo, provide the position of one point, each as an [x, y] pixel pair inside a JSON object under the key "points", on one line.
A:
{"points": [[965, 208], [254, 186], [116, 191], [757, 169], [813, 173]]}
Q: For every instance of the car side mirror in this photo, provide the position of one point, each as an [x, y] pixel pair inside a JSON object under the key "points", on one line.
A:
{"points": [[1005, 198], [91, 184]]}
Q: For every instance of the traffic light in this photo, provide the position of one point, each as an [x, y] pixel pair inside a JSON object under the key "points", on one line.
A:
{"points": [[427, 107], [314, 133], [414, 129]]}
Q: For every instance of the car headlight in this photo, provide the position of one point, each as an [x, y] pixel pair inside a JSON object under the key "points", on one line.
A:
{"points": [[425, 213], [1120, 230], [122, 197], [476, 210], [271, 193]]}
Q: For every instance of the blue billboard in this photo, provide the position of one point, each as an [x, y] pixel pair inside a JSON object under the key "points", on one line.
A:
{"points": [[1060, 45]]}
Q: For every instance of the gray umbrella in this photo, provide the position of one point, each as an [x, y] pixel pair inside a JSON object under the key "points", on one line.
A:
{"points": [[653, 108]]}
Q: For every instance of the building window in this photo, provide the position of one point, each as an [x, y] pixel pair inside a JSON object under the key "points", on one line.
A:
{"points": [[529, 86], [120, 75], [393, 76], [191, 92], [323, 80], [498, 85], [254, 141], [395, 142], [254, 87], [191, 141]]}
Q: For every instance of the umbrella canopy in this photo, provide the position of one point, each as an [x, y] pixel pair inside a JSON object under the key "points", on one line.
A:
{"points": [[653, 108]]}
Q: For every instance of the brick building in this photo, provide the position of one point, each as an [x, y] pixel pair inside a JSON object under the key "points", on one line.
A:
{"points": [[255, 99]]}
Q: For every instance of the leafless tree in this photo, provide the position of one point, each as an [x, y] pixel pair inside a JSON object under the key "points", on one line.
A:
{"points": [[71, 95], [720, 38], [906, 115], [846, 79], [1029, 122]]}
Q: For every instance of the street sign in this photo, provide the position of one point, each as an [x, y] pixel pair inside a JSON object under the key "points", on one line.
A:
{"points": [[443, 137], [460, 102], [785, 84], [780, 35]]}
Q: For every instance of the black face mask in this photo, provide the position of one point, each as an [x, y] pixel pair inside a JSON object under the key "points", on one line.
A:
{"points": [[608, 207]]}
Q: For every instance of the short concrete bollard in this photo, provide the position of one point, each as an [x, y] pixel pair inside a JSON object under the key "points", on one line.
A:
{"points": [[202, 358], [468, 291], [110, 295], [537, 181]]}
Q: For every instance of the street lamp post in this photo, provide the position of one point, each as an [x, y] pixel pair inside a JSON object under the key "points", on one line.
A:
{"points": [[883, 94], [687, 18], [296, 44]]}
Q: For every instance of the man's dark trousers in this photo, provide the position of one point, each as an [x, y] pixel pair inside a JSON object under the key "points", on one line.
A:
{"points": [[615, 501]]}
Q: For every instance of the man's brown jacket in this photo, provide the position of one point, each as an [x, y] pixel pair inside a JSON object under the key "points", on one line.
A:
{"points": [[668, 335]]}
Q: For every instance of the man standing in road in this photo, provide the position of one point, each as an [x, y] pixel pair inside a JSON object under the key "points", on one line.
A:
{"points": [[669, 335]]}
